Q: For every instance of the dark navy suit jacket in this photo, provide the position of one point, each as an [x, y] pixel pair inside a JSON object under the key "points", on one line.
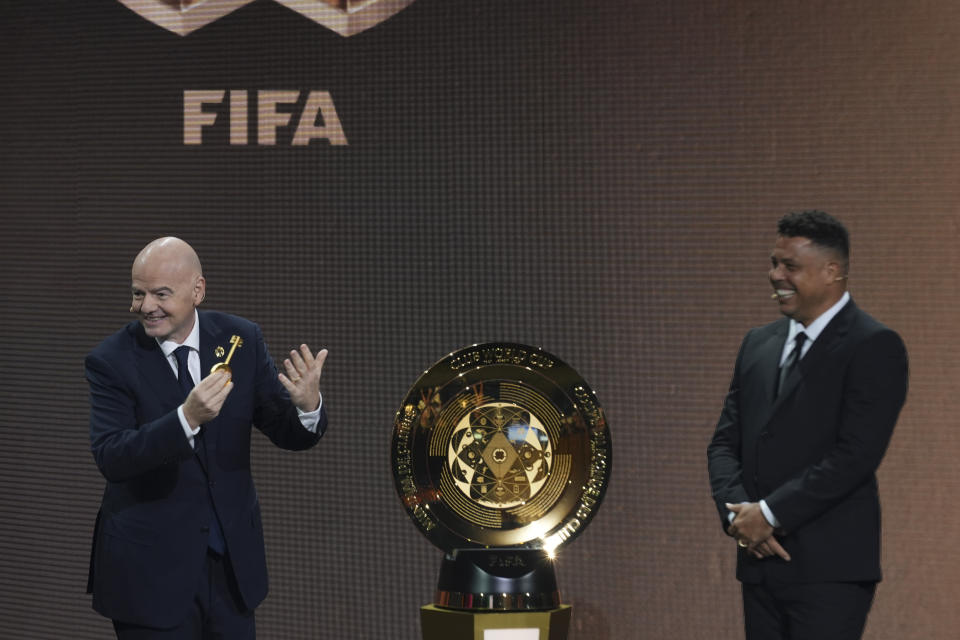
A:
{"points": [[812, 452], [151, 535]]}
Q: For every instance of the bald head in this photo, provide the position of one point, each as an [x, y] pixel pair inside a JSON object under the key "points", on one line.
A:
{"points": [[167, 285], [170, 251]]}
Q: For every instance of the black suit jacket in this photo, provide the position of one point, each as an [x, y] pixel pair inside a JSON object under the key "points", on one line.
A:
{"points": [[151, 534], [812, 452]]}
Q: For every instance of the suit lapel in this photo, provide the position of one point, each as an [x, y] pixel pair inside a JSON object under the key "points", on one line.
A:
{"points": [[768, 368], [155, 369], [826, 344], [829, 341], [211, 336]]}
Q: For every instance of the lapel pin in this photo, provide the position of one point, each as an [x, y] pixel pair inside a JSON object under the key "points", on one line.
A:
{"points": [[236, 341]]}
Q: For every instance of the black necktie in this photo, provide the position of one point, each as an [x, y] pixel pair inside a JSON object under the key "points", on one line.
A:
{"points": [[183, 369], [791, 362], [215, 539]]}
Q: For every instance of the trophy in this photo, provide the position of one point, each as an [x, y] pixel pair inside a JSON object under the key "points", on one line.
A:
{"points": [[501, 455]]}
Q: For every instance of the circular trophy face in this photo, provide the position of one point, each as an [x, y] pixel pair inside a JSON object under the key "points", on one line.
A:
{"points": [[501, 445]]}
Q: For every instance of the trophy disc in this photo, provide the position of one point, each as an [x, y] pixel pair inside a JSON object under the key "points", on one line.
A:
{"points": [[501, 445]]}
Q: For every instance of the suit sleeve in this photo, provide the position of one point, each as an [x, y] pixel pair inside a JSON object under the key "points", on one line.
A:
{"points": [[274, 413], [122, 448], [724, 451], [875, 388]]}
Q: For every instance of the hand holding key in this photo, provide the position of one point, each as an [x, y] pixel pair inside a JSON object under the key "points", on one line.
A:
{"points": [[207, 398]]}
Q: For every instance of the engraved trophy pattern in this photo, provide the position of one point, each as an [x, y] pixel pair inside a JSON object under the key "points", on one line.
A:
{"points": [[499, 455]]}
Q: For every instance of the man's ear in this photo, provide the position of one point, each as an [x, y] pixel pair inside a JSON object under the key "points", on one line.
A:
{"points": [[832, 269], [199, 290], [835, 271]]}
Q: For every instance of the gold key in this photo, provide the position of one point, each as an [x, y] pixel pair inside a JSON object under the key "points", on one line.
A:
{"points": [[224, 366]]}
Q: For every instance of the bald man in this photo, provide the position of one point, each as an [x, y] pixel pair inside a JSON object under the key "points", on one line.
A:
{"points": [[178, 544]]}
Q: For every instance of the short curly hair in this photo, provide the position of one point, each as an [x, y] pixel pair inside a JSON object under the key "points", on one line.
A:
{"points": [[820, 227]]}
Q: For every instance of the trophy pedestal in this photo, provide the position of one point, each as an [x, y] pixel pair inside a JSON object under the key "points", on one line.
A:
{"points": [[496, 594], [437, 623]]}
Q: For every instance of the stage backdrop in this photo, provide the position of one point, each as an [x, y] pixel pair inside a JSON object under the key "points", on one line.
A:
{"points": [[600, 179]]}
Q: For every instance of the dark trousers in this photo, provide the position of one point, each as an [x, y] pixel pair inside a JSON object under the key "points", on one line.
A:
{"points": [[217, 612], [820, 611]]}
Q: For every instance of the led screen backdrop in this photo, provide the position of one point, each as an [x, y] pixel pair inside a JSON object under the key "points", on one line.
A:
{"points": [[600, 179]]}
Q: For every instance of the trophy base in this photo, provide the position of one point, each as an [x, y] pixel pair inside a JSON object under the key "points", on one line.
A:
{"points": [[498, 580], [437, 623]]}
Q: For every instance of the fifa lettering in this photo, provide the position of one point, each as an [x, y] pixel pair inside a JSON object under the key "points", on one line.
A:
{"points": [[318, 119]]}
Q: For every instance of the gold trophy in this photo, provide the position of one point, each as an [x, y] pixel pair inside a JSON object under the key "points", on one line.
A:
{"points": [[501, 454]]}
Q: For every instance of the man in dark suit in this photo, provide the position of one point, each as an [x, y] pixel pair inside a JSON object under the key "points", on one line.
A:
{"points": [[807, 419], [178, 546]]}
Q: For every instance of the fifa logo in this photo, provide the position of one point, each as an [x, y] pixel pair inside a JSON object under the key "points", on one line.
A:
{"points": [[346, 17], [318, 117]]}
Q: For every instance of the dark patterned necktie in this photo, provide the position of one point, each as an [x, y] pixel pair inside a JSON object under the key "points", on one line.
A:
{"points": [[183, 369], [215, 539], [791, 362]]}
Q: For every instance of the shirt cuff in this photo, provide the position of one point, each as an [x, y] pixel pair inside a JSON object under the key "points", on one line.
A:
{"points": [[768, 514], [310, 419], [188, 431]]}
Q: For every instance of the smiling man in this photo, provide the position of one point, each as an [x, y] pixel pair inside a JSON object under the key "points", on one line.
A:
{"points": [[178, 545], [167, 285], [809, 414]]}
